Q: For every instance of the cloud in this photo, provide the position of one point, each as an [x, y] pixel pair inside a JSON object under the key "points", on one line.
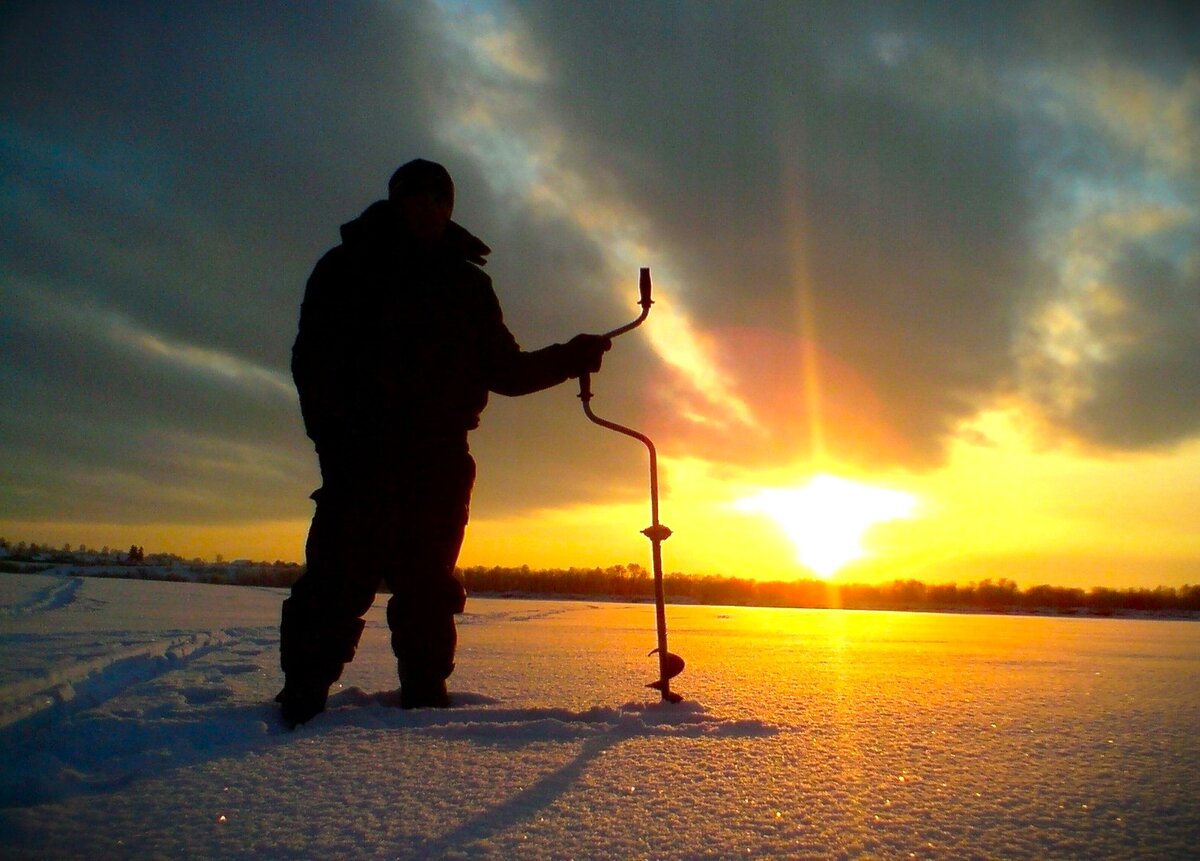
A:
{"points": [[1146, 385], [1110, 345]]}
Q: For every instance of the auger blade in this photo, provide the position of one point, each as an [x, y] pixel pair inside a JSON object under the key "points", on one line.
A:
{"points": [[672, 666]]}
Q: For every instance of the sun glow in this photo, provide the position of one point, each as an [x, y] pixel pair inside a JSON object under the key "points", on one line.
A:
{"points": [[828, 518]]}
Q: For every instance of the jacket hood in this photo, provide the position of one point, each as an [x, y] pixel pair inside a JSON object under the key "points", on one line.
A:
{"points": [[380, 221]]}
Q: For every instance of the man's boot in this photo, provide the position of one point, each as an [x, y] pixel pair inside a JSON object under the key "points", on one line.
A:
{"points": [[313, 649], [424, 694], [301, 700], [424, 645]]}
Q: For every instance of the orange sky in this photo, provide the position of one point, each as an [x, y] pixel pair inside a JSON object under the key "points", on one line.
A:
{"points": [[1000, 507]]}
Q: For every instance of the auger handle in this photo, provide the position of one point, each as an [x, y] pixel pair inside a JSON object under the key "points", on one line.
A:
{"points": [[645, 301], [644, 288]]}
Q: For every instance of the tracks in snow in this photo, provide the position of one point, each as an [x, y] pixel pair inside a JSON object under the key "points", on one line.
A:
{"points": [[52, 597], [75, 685]]}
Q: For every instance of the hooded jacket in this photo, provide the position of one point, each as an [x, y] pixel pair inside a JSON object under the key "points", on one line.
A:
{"points": [[402, 340]]}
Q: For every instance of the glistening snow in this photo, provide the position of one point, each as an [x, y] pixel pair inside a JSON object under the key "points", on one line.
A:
{"points": [[136, 721]]}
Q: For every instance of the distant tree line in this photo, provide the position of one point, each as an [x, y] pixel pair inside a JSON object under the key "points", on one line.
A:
{"points": [[634, 582], [82, 554], [136, 564], [616, 581], [279, 574]]}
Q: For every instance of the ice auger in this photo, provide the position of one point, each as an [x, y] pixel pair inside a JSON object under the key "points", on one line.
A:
{"points": [[669, 665]]}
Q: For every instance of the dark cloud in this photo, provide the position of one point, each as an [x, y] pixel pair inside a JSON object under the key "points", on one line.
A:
{"points": [[187, 151], [1159, 37], [1148, 393]]}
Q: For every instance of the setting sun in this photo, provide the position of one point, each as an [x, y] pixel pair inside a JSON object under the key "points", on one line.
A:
{"points": [[828, 518]]}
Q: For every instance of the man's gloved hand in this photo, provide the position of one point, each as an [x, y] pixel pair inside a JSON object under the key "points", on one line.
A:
{"points": [[585, 352]]}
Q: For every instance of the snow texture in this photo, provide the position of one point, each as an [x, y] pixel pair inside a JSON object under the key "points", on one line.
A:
{"points": [[136, 721]]}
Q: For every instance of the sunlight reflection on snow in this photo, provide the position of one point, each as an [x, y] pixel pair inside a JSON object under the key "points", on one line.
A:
{"points": [[803, 734]]}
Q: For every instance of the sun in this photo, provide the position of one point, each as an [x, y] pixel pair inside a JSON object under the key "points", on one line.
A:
{"points": [[827, 518]]}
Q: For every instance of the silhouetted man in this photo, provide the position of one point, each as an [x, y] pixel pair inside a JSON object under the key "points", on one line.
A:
{"points": [[401, 340]]}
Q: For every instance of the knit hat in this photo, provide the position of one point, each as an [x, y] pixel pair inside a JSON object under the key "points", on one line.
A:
{"points": [[421, 177]]}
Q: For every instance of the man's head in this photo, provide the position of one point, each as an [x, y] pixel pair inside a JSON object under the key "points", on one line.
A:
{"points": [[424, 192]]}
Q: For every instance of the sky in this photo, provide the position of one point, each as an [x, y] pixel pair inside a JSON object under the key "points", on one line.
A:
{"points": [[927, 276]]}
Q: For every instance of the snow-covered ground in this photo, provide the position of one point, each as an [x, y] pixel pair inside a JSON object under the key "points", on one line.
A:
{"points": [[136, 722]]}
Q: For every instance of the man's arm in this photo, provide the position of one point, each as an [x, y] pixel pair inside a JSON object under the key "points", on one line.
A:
{"points": [[525, 373], [315, 355], [511, 371]]}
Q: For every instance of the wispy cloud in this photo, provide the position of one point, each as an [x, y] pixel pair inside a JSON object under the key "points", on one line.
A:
{"points": [[500, 121], [89, 321], [201, 360]]}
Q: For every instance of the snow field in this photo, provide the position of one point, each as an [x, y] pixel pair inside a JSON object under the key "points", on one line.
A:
{"points": [[138, 722]]}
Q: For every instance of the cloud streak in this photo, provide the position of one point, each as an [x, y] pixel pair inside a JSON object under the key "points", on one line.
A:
{"points": [[499, 121]]}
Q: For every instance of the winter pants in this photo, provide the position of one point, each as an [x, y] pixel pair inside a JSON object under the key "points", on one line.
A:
{"points": [[406, 532]]}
